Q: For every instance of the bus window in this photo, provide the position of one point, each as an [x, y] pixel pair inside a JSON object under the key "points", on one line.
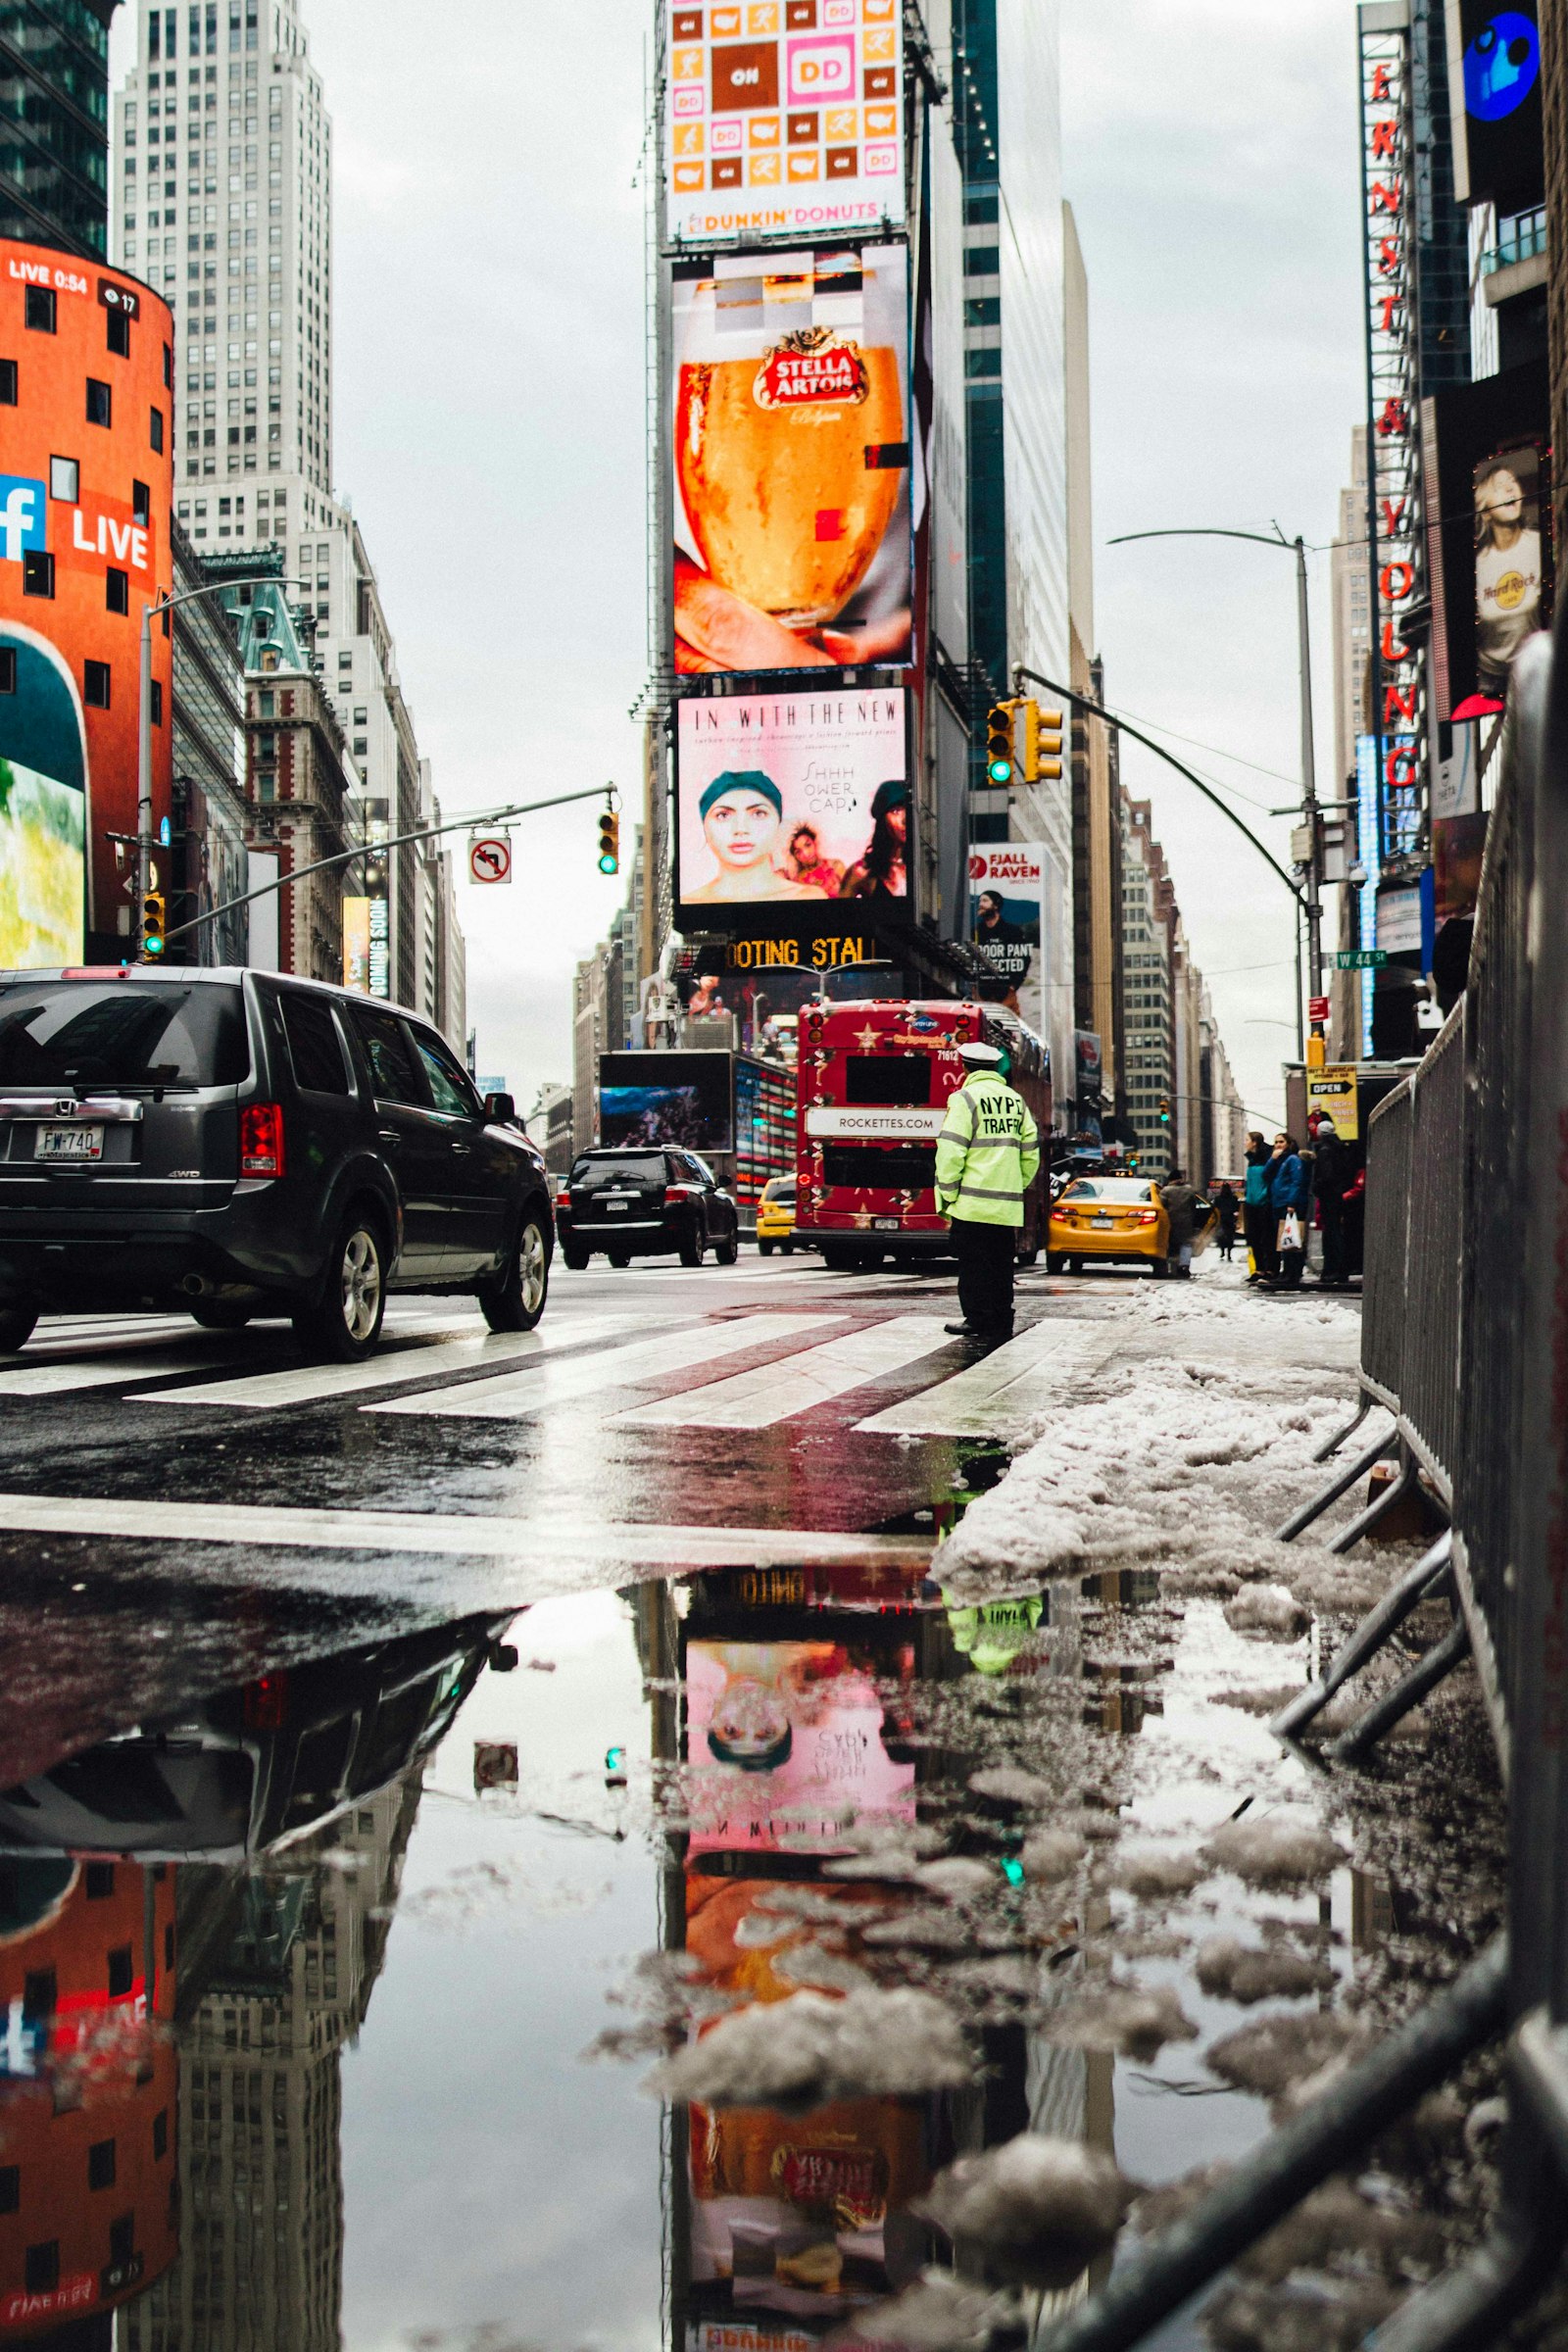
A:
{"points": [[904, 1167], [887, 1080]]}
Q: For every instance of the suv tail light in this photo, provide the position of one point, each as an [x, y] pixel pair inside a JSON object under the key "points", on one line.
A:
{"points": [[563, 1199], [680, 1192], [261, 1139]]}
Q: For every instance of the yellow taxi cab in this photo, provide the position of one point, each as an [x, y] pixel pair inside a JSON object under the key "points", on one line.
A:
{"points": [[775, 1216], [1113, 1218]]}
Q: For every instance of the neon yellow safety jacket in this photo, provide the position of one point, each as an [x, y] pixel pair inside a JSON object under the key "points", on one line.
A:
{"points": [[988, 1153]]}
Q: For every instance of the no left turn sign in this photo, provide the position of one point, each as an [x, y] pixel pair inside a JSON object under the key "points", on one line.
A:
{"points": [[490, 857]]}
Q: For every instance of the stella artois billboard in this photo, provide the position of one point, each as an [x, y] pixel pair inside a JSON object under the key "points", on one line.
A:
{"points": [[785, 119], [790, 463]]}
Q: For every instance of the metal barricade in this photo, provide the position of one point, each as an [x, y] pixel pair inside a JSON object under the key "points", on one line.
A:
{"points": [[1388, 1219]]}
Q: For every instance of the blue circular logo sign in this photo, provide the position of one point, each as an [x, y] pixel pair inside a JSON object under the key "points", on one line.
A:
{"points": [[1501, 66]]}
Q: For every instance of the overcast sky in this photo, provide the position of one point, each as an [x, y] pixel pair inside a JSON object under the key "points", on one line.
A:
{"points": [[490, 426]]}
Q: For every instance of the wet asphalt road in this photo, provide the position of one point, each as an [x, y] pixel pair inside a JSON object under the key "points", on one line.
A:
{"points": [[355, 1870]]}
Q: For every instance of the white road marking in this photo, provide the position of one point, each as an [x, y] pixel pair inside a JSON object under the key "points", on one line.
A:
{"points": [[775, 1392], [484, 1537], [516, 1395], [22, 1379], [1008, 1388], [422, 1359]]}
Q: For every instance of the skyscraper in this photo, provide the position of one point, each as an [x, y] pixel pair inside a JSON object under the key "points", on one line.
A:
{"points": [[223, 198], [54, 122]]}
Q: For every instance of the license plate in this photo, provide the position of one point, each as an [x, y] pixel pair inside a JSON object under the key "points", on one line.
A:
{"points": [[1105, 1221], [887, 1225], [68, 1142], [616, 1208]]}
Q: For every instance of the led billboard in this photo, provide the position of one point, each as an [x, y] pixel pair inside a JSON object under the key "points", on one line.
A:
{"points": [[86, 469], [666, 1098], [784, 117], [1492, 570], [791, 462], [789, 800], [1499, 80]]}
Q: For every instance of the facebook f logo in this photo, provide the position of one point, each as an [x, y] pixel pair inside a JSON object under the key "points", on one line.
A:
{"points": [[23, 508]]}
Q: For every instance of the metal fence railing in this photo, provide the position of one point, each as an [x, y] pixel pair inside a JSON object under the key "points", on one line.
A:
{"points": [[1465, 1344]]}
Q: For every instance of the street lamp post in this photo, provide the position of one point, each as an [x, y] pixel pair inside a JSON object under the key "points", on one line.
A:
{"points": [[144, 746], [1309, 801]]}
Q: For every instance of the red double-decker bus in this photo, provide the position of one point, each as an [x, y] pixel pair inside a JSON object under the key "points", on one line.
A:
{"points": [[871, 1094]]}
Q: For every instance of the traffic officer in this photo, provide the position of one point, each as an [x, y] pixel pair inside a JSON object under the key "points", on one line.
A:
{"points": [[988, 1155]]}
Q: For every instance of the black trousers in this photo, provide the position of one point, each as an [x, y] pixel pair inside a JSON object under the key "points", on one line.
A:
{"points": [[986, 1255], [1261, 1228]]}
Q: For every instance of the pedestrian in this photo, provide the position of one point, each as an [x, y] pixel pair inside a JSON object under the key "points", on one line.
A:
{"points": [[1332, 1172], [1225, 1208], [1290, 1192], [1179, 1200], [1257, 1216], [988, 1154]]}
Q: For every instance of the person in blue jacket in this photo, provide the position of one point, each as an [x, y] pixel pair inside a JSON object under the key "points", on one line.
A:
{"points": [[1257, 1219], [1290, 1188]]}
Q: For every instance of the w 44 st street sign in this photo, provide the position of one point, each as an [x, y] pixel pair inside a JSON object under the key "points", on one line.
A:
{"points": [[1360, 959]]}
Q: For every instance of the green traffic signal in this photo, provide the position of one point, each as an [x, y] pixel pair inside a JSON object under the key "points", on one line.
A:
{"points": [[609, 842], [999, 744]]}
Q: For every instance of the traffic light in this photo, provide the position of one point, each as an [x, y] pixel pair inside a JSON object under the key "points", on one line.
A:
{"points": [[1165, 1111], [152, 923], [999, 744], [1042, 743], [609, 842]]}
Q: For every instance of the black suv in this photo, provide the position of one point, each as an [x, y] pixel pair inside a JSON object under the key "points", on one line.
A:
{"points": [[633, 1201], [240, 1142]]}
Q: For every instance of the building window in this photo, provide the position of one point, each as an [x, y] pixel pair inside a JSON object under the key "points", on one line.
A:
{"points": [[141, 503], [10, 2188], [155, 432], [117, 591], [65, 481], [100, 402], [101, 2163], [161, 2133], [38, 309], [99, 1877], [119, 333], [121, 1967], [37, 572], [41, 2264], [158, 704], [7, 383], [8, 669], [95, 694]]}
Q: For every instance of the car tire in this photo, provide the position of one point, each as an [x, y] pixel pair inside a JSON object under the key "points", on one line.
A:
{"points": [[620, 1258], [575, 1260], [16, 1327], [1159, 1267], [787, 1249], [216, 1314], [343, 1323], [1075, 1265], [692, 1247], [1054, 1261], [727, 1251], [765, 1249], [1028, 1257], [515, 1300]]}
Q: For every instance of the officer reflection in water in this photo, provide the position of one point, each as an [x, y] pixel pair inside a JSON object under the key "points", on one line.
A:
{"points": [[988, 1154]]}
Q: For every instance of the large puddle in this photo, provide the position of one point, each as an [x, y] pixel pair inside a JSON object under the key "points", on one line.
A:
{"points": [[332, 1999]]}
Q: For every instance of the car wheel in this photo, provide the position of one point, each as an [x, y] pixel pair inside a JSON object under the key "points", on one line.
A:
{"points": [[1159, 1267], [1075, 1265], [216, 1314], [16, 1327], [515, 1300], [787, 1249], [1054, 1261], [728, 1251], [1028, 1257], [765, 1249], [344, 1323], [574, 1259], [692, 1247], [619, 1258]]}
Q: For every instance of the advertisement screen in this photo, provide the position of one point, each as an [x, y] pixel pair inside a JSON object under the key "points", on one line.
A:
{"points": [[1502, 120], [680, 1099], [1494, 580], [788, 800], [785, 118], [43, 810], [791, 408], [786, 1747]]}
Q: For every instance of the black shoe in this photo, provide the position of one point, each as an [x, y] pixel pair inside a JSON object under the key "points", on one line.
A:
{"points": [[961, 1331]]}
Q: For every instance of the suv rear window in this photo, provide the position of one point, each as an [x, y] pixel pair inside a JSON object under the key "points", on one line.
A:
{"points": [[314, 1045], [97, 1033], [637, 1167]]}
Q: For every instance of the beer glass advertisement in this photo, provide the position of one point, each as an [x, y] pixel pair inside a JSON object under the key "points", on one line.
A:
{"points": [[792, 500], [680, 1099], [43, 810], [1494, 575], [788, 800], [786, 1747], [785, 118]]}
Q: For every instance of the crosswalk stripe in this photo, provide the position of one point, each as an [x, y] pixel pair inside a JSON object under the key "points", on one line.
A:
{"points": [[421, 1359], [19, 1378], [515, 1394], [1006, 1389], [540, 1540], [775, 1392]]}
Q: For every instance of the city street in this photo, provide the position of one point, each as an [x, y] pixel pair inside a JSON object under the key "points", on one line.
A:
{"points": [[401, 1667]]}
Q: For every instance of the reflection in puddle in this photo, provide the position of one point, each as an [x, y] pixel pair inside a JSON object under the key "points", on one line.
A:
{"points": [[330, 1998]]}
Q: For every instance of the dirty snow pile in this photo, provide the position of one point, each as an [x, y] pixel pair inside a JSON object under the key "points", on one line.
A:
{"points": [[1032, 2211], [800, 2053], [1176, 1458]]}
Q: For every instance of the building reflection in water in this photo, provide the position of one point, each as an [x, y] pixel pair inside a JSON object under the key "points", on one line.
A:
{"points": [[192, 1918], [791, 1710]]}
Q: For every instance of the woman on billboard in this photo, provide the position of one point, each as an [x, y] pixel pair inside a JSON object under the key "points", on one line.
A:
{"points": [[881, 872], [1508, 565], [741, 813]]}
